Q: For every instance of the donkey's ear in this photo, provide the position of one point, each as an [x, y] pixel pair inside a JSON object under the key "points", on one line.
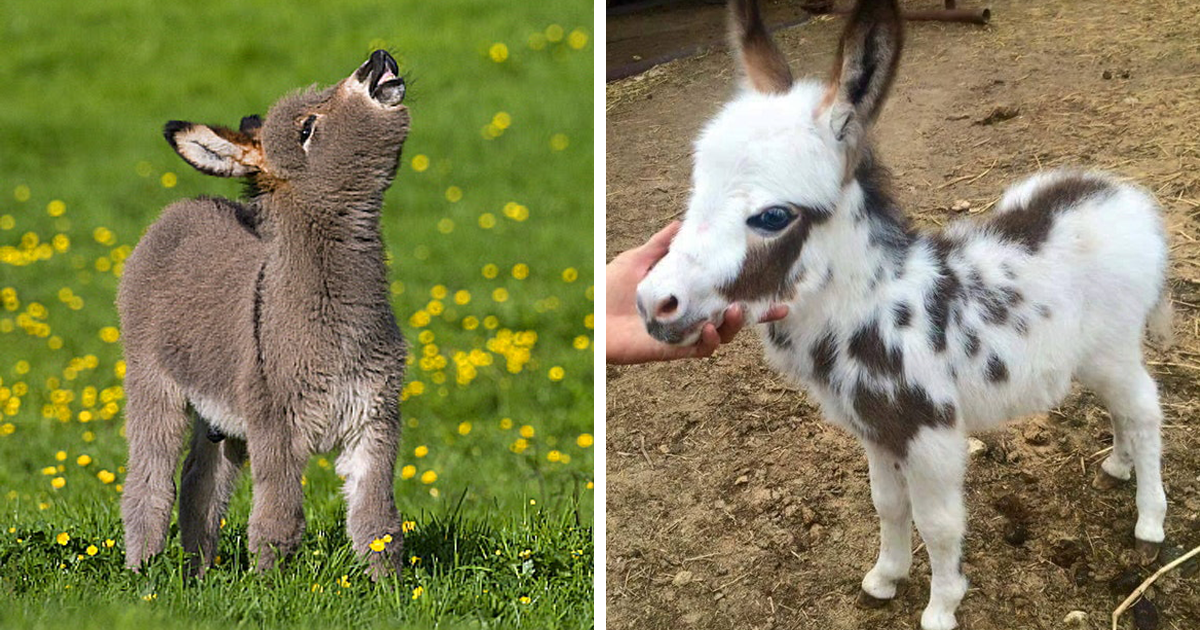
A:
{"points": [[216, 150], [763, 65], [866, 62]]}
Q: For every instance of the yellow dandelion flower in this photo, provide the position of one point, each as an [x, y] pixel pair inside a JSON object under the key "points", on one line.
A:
{"points": [[50, 470], [446, 225], [556, 373], [520, 271], [581, 342], [506, 423], [56, 208], [464, 428], [110, 334], [527, 431], [415, 560], [344, 581], [470, 322], [577, 39], [454, 194], [490, 271], [22, 368], [462, 296], [149, 598], [428, 477], [91, 550], [502, 120], [377, 545], [61, 456], [591, 485], [21, 193], [420, 163], [397, 287], [88, 436], [570, 274], [169, 180], [554, 456], [119, 369], [106, 477], [554, 33], [83, 460], [589, 322], [559, 141], [584, 440], [408, 472], [421, 451], [500, 295], [524, 599], [487, 220], [108, 543], [63, 538], [417, 592], [498, 52], [317, 588]]}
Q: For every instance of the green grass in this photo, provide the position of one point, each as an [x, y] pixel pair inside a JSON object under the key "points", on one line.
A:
{"points": [[491, 250]]}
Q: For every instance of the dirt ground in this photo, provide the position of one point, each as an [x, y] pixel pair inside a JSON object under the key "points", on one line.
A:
{"points": [[732, 505]]}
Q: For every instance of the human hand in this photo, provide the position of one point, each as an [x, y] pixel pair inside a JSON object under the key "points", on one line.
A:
{"points": [[627, 341]]}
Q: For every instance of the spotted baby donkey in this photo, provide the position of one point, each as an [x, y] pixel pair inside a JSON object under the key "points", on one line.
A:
{"points": [[270, 320], [910, 339]]}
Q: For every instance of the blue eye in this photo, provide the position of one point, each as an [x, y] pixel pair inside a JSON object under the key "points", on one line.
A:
{"points": [[773, 219]]}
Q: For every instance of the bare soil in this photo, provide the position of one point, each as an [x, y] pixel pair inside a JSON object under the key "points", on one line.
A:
{"points": [[732, 505]]}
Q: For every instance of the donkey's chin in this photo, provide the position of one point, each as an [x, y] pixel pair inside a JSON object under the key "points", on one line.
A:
{"points": [[678, 333]]}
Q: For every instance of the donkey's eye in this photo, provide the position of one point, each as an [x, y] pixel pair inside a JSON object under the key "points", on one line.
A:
{"points": [[772, 219], [306, 132]]}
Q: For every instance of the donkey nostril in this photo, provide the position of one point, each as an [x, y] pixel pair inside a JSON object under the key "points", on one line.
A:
{"points": [[667, 306]]}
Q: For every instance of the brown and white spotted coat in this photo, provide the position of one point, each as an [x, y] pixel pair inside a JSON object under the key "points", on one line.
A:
{"points": [[911, 339]]}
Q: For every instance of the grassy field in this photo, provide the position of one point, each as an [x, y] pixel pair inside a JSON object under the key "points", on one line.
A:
{"points": [[489, 227]]}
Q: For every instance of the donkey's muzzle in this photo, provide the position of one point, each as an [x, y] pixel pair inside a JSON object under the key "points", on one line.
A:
{"points": [[381, 75]]}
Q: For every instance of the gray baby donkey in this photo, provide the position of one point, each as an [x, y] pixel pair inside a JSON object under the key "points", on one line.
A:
{"points": [[271, 320]]}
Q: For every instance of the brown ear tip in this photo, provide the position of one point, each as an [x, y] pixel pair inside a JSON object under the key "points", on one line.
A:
{"points": [[173, 127]]}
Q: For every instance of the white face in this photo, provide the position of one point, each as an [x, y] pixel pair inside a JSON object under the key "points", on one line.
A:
{"points": [[768, 170]]}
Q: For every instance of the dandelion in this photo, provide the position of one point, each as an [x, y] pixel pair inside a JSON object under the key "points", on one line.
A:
{"points": [[577, 39], [50, 470], [519, 446], [527, 431], [589, 321], [490, 271], [462, 297], [169, 180], [554, 456], [377, 545], [418, 591], [421, 451], [428, 477], [454, 194], [63, 539], [397, 287], [317, 588], [464, 428], [344, 581], [570, 274], [500, 295], [556, 373], [91, 550], [506, 423], [149, 598], [420, 163], [446, 225], [408, 526], [559, 141], [554, 33], [533, 502], [487, 220], [106, 477], [590, 485], [498, 52], [108, 543], [581, 342], [109, 334], [58, 483], [520, 271], [524, 599], [408, 472], [584, 440]]}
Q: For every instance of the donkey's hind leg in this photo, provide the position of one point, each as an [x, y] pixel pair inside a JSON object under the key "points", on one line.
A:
{"points": [[155, 421], [209, 474], [1120, 379]]}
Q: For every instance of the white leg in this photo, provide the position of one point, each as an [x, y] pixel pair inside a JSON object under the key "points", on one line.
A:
{"points": [[1132, 399], [889, 492], [936, 463]]}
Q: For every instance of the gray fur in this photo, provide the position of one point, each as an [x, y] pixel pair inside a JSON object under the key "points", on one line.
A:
{"points": [[271, 320]]}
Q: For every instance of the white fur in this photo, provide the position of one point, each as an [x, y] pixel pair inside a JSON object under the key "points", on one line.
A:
{"points": [[1099, 274]]}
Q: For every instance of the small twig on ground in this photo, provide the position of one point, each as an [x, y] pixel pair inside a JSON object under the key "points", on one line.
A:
{"points": [[1137, 592]]}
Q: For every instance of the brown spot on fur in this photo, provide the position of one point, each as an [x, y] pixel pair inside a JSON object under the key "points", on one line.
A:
{"points": [[778, 335], [997, 372], [765, 67], [824, 354], [868, 348], [946, 291], [1029, 224], [893, 421], [767, 270], [903, 314]]}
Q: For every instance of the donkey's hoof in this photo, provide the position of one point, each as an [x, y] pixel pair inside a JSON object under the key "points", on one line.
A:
{"points": [[869, 601], [1105, 482], [1147, 552]]}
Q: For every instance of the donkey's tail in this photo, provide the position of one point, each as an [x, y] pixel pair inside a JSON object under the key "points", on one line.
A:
{"points": [[1162, 333]]}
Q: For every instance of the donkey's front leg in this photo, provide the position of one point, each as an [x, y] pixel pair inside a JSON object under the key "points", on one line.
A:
{"points": [[277, 458], [889, 492], [935, 464], [368, 462]]}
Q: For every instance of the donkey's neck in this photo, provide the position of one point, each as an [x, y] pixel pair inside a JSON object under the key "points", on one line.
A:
{"points": [[862, 247], [334, 253]]}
